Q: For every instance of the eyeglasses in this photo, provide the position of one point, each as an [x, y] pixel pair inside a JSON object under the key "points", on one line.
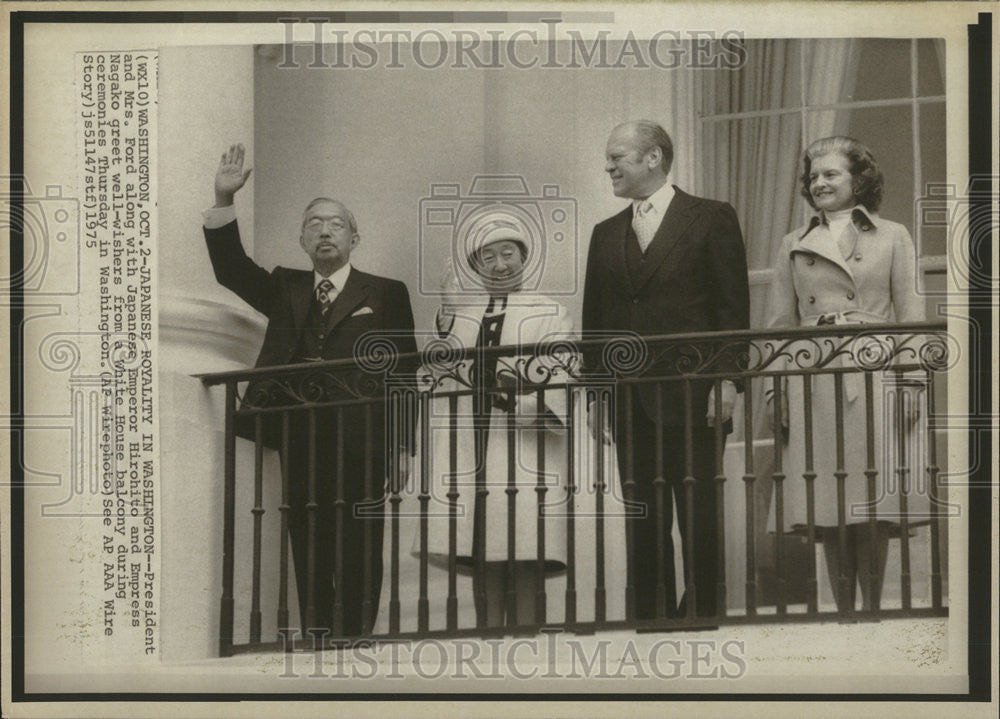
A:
{"points": [[318, 223]]}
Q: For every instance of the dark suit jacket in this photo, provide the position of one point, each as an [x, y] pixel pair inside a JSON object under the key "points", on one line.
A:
{"points": [[693, 279], [285, 296]]}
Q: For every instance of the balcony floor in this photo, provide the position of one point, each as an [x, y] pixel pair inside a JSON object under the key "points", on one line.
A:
{"points": [[898, 655]]}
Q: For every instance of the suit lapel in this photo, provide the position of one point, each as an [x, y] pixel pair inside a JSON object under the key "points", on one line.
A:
{"points": [[354, 293], [302, 295], [671, 229], [619, 236]]}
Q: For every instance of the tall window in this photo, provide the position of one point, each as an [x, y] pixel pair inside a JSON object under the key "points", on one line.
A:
{"points": [[757, 120]]}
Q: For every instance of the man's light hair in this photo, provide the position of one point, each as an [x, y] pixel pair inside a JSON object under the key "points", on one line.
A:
{"points": [[649, 134]]}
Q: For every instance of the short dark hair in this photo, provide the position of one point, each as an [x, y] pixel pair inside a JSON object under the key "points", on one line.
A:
{"points": [[648, 135], [865, 172], [315, 201]]}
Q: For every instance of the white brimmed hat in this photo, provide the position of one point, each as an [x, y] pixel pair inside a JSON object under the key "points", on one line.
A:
{"points": [[495, 227]]}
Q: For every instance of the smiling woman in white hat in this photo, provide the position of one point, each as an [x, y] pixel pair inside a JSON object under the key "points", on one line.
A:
{"points": [[488, 308]]}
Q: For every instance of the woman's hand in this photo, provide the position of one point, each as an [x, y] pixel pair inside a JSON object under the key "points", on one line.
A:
{"points": [[769, 412], [451, 291], [728, 402], [598, 425], [911, 408]]}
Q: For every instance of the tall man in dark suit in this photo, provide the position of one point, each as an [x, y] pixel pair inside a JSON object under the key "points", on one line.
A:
{"points": [[319, 315], [668, 263]]}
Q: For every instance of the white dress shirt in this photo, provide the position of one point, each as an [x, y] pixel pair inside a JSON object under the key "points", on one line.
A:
{"points": [[660, 201], [215, 217], [338, 278]]}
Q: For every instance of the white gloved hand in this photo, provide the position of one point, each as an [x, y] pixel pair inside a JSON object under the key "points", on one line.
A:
{"points": [[451, 290], [728, 402], [600, 429]]}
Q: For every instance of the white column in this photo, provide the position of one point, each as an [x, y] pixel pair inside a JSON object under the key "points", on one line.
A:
{"points": [[206, 104]]}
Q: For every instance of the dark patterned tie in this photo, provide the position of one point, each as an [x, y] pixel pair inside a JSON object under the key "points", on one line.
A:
{"points": [[325, 295], [485, 368]]}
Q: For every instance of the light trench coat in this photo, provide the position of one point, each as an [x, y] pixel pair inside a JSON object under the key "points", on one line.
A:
{"points": [[875, 284], [529, 318]]}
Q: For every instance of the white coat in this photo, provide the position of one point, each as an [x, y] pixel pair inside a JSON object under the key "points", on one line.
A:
{"points": [[875, 284], [529, 318]]}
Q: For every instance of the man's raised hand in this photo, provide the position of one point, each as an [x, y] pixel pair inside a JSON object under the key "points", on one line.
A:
{"points": [[230, 176]]}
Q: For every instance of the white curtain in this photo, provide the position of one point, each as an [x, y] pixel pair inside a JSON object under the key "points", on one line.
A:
{"points": [[829, 68], [753, 162]]}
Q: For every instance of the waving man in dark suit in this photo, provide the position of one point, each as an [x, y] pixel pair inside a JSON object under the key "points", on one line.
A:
{"points": [[668, 263], [319, 314]]}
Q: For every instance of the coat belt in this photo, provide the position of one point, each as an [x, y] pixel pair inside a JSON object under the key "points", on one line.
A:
{"points": [[852, 380], [847, 317]]}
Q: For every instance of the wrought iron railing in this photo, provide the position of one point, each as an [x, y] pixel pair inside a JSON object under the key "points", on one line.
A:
{"points": [[904, 363]]}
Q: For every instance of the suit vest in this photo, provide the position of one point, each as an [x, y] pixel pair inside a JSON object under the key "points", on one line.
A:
{"points": [[634, 256], [314, 334]]}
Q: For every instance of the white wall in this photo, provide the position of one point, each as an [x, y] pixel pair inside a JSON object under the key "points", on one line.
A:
{"points": [[206, 103]]}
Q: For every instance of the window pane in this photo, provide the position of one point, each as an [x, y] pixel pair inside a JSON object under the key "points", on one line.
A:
{"points": [[935, 286], [888, 132], [883, 69], [930, 66], [933, 169]]}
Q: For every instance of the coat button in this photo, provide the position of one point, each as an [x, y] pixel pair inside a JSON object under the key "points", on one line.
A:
{"points": [[811, 261], [857, 257], [321, 335], [635, 300], [812, 300], [850, 295]]}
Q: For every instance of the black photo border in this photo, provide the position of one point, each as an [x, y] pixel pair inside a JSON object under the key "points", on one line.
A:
{"points": [[981, 150]]}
